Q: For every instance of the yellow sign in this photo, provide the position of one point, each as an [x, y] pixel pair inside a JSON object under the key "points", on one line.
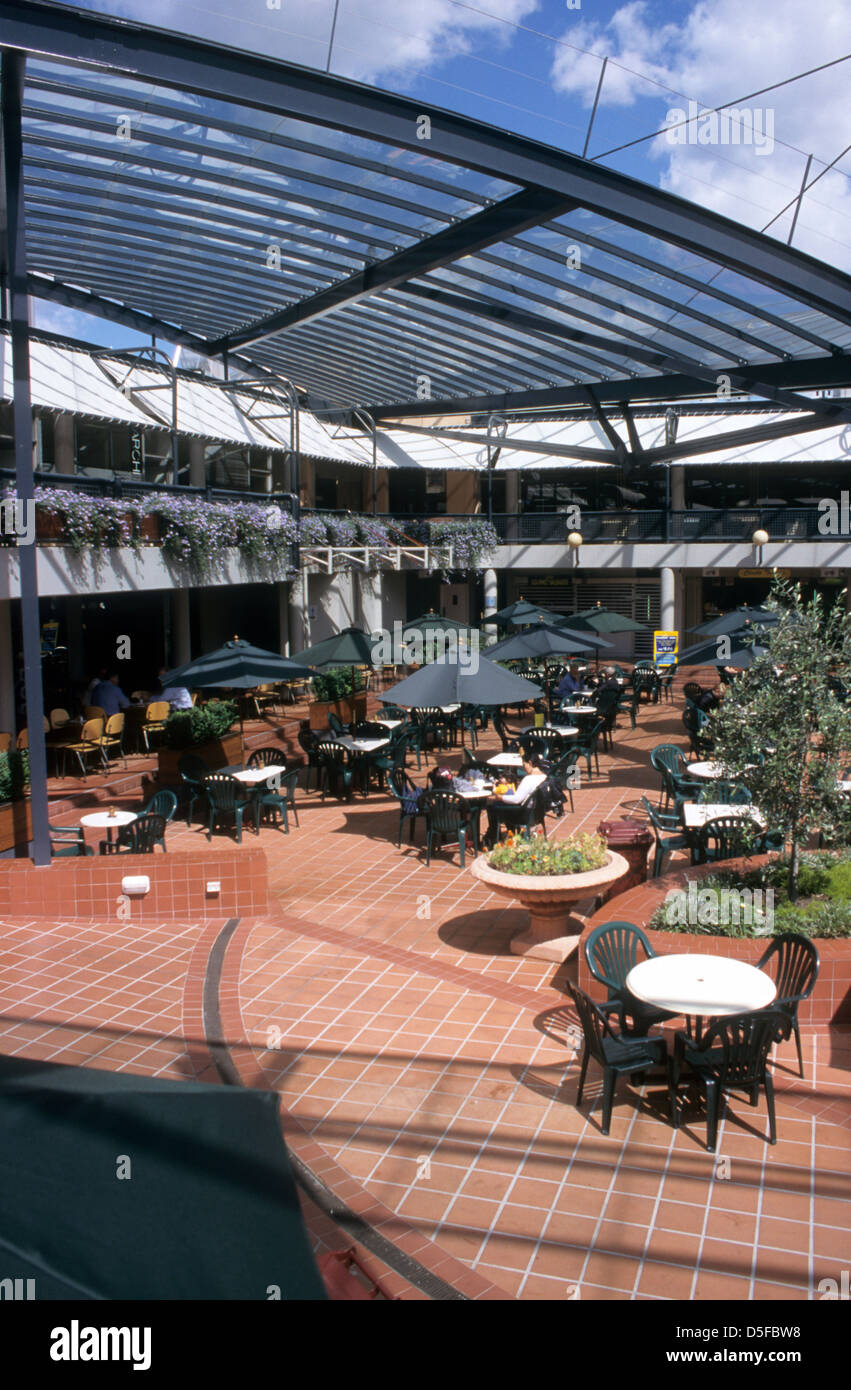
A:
{"points": [[765, 574], [665, 648]]}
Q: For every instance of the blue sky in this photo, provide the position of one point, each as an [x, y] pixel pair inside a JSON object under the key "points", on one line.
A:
{"points": [[532, 66]]}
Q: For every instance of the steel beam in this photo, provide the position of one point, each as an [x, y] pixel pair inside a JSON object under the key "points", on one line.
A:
{"points": [[318, 98], [815, 373], [12, 74], [526, 446], [463, 238]]}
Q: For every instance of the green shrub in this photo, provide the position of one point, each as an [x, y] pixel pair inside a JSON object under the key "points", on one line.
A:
{"points": [[14, 774], [185, 728], [839, 886], [338, 684]]}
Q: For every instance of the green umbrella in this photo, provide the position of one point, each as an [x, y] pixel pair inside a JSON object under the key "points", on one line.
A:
{"points": [[521, 614], [540, 641], [236, 666], [351, 647], [455, 682], [600, 619]]}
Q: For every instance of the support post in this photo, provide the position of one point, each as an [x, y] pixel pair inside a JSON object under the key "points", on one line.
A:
{"points": [[12, 73]]}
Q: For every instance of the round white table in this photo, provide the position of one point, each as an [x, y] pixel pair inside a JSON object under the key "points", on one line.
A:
{"points": [[102, 820], [700, 986], [708, 770]]}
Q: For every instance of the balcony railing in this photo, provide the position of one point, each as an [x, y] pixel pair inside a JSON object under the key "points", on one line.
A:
{"points": [[125, 487]]}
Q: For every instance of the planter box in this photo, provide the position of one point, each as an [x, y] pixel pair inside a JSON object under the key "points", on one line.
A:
{"points": [[49, 526], [350, 711], [149, 529], [16, 825], [222, 752]]}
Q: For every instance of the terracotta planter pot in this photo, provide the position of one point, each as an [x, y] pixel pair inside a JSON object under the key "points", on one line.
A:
{"points": [[553, 931], [16, 825], [149, 529], [350, 710], [221, 752]]}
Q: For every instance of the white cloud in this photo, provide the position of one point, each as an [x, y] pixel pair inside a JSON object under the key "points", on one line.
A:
{"points": [[722, 51]]}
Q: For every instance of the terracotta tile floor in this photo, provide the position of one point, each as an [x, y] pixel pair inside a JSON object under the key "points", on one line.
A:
{"points": [[429, 1069]]}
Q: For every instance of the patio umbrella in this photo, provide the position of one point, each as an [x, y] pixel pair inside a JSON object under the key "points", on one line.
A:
{"points": [[431, 624], [739, 619], [451, 682], [236, 666], [706, 653], [351, 647], [599, 619], [521, 614], [540, 641]]}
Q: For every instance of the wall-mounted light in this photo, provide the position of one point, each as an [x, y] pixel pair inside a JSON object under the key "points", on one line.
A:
{"points": [[759, 538], [574, 540]]}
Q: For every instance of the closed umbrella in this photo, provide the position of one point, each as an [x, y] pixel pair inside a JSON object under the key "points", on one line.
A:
{"points": [[541, 641], [449, 682]]}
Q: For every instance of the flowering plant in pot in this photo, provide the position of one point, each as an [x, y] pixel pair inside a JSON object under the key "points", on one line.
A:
{"points": [[548, 878]]}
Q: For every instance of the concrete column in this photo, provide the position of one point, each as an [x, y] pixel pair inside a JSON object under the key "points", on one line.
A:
{"points": [[7, 670], [63, 443], [512, 490], [370, 596], [299, 624], [489, 581], [678, 489], [180, 628], [197, 463], [848, 592], [668, 599]]}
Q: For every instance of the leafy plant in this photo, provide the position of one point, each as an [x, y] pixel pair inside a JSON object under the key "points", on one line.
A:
{"points": [[14, 774], [186, 727], [337, 684], [535, 854], [782, 728]]}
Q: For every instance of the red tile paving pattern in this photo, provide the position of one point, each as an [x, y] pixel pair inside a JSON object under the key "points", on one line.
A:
{"points": [[427, 1075]]}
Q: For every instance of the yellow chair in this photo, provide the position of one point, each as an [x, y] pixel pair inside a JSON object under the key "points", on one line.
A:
{"points": [[112, 737], [263, 697], [59, 718], [88, 742], [155, 716], [93, 712]]}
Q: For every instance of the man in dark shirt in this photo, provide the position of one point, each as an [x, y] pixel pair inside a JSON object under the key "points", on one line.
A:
{"points": [[109, 696], [569, 684]]}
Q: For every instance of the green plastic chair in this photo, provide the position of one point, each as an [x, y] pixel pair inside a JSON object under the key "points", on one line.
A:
{"points": [[731, 1056], [662, 823], [228, 800], [448, 816], [617, 1053], [795, 966], [68, 841], [611, 950], [163, 803]]}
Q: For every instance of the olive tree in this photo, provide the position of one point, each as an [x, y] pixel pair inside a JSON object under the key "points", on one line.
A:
{"points": [[784, 726]]}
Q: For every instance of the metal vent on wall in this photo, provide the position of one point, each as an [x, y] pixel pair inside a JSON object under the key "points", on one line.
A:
{"points": [[632, 598]]}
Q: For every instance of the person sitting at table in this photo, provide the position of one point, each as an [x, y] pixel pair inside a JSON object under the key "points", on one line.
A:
{"points": [[177, 695], [109, 696], [569, 683], [609, 681], [510, 808]]}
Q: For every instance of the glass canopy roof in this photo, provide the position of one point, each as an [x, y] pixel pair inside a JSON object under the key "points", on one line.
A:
{"points": [[373, 259]]}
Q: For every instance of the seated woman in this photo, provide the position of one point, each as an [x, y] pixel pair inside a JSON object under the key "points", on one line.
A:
{"points": [[510, 808]]}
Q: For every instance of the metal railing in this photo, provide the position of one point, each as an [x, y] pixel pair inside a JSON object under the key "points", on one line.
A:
{"points": [[126, 486]]}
